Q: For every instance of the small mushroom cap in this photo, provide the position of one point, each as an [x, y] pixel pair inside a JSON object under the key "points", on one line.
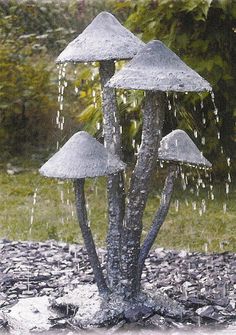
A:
{"points": [[178, 147], [80, 157], [103, 39], [157, 68]]}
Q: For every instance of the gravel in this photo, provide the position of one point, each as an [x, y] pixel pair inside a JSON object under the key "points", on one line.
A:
{"points": [[204, 284]]}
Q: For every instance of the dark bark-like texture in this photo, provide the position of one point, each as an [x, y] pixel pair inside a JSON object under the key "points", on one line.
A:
{"points": [[87, 236], [159, 217], [115, 185], [153, 117]]}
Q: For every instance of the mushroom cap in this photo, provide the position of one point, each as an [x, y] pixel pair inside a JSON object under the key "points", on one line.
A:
{"points": [[178, 147], [103, 39], [157, 68], [80, 157]]}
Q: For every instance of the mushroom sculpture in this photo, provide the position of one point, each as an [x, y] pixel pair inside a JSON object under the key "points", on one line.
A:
{"points": [[82, 156], [176, 148], [155, 69], [106, 40]]}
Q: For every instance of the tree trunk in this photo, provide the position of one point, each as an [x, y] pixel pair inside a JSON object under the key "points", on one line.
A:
{"points": [[115, 185], [159, 218], [153, 118], [87, 236]]}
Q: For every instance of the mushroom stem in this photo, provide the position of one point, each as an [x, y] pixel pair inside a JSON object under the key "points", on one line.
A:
{"points": [[111, 124], [115, 185], [153, 117], [159, 217], [87, 236]]}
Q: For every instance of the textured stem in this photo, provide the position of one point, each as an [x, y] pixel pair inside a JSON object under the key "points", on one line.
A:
{"points": [[115, 185], [153, 117], [87, 236], [159, 217]]}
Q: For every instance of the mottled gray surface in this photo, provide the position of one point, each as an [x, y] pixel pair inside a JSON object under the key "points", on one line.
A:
{"points": [[30, 314], [157, 68], [115, 183], [81, 157], [103, 39], [153, 118], [178, 147]]}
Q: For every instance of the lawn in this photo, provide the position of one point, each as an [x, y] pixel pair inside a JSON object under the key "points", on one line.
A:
{"points": [[38, 208]]}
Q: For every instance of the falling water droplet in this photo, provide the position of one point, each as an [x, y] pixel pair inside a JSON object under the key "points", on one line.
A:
{"points": [[98, 125], [224, 208], [62, 196], [227, 188], [201, 104], [203, 205], [32, 212], [214, 105], [177, 205]]}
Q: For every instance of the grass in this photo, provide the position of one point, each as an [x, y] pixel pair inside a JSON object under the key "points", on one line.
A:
{"points": [[53, 215]]}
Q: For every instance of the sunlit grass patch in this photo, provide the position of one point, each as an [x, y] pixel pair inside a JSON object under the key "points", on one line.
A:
{"points": [[53, 216]]}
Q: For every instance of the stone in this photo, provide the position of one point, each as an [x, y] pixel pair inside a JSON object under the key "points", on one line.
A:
{"points": [[30, 314], [206, 311], [135, 313], [157, 68], [103, 39], [157, 321], [87, 307], [82, 156]]}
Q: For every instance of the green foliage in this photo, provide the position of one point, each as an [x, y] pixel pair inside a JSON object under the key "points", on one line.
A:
{"points": [[32, 33], [202, 33]]}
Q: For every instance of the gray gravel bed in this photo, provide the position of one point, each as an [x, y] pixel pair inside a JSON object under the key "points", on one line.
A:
{"points": [[205, 284]]}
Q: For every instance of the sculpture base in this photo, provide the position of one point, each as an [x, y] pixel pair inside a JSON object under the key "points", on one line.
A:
{"points": [[85, 308]]}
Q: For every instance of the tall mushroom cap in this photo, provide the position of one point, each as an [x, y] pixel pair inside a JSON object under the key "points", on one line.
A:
{"points": [[157, 68], [103, 39], [80, 157], [178, 147]]}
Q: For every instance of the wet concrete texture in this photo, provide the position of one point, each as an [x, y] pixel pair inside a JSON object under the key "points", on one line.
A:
{"points": [[177, 147], [82, 156], [157, 68], [103, 39]]}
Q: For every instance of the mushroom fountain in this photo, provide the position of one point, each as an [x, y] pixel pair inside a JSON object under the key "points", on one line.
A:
{"points": [[156, 70]]}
